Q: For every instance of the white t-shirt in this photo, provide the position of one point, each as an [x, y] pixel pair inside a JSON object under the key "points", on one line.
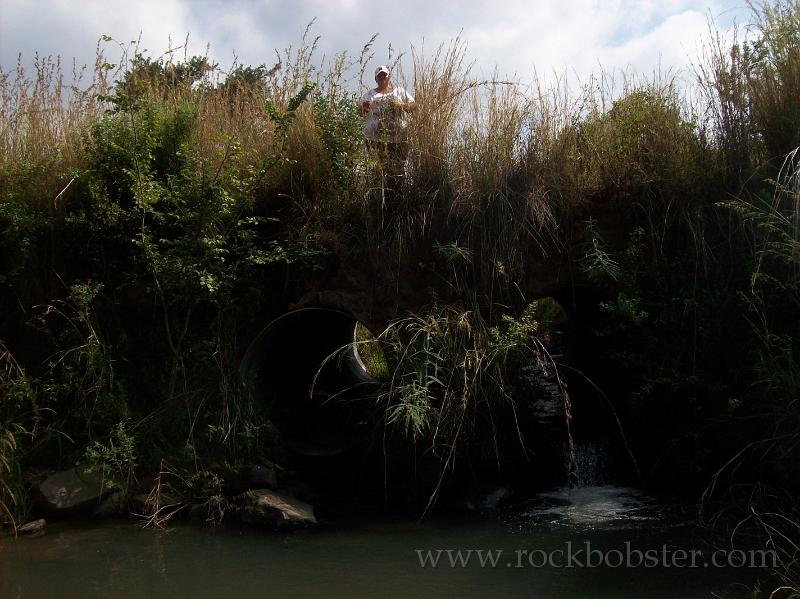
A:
{"points": [[384, 120]]}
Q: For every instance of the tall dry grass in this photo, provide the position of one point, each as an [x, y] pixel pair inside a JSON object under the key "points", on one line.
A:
{"points": [[774, 77], [486, 155], [474, 143], [43, 119]]}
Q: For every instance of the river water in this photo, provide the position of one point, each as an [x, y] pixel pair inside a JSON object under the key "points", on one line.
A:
{"points": [[539, 547]]}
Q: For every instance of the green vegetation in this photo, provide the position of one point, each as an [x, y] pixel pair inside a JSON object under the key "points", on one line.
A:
{"points": [[370, 353], [451, 385], [152, 218]]}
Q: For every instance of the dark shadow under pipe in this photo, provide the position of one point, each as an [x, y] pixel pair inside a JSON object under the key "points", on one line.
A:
{"points": [[304, 368]]}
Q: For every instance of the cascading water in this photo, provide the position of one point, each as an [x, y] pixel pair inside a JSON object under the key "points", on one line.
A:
{"points": [[591, 464], [588, 489]]}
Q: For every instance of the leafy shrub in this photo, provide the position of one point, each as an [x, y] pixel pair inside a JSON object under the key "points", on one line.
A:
{"points": [[451, 383]]}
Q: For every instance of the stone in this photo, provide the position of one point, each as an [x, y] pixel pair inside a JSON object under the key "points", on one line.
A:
{"points": [[249, 477], [295, 487], [496, 498], [34, 528], [489, 502], [71, 491], [113, 505], [274, 510], [198, 511], [260, 477]]}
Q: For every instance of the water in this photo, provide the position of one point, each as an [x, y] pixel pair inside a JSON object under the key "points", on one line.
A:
{"points": [[603, 508], [591, 465], [377, 558]]}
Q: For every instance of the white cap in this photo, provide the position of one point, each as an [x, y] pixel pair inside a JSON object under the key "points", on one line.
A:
{"points": [[382, 69]]}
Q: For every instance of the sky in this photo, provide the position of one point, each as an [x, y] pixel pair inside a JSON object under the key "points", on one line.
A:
{"points": [[518, 38]]}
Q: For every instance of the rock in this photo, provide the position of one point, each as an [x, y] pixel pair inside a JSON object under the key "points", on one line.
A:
{"points": [[198, 511], [141, 504], [274, 510], [494, 499], [294, 487], [113, 505], [475, 502], [34, 528], [71, 491], [260, 477], [250, 477]]}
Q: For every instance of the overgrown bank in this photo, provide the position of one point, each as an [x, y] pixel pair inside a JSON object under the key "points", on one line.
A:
{"points": [[155, 218]]}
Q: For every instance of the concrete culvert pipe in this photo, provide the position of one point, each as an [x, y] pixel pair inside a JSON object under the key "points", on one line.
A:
{"points": [[305, 367]]}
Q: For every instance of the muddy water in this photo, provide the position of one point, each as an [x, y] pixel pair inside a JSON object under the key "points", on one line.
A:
{"points": [[537, 548]]}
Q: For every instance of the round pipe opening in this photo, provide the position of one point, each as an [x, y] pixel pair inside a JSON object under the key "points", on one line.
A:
{"points": [[305, 367]]}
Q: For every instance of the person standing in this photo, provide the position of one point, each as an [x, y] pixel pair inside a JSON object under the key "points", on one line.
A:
{"points": [[386, 108]]}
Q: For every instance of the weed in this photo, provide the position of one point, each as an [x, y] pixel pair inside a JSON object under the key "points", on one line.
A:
{"points": [[114, 459], [451, 388]]}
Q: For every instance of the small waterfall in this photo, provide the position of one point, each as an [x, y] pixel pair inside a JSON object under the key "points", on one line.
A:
{"points": [[548, 407], [592, 459], [592, 496], [591, 466]]}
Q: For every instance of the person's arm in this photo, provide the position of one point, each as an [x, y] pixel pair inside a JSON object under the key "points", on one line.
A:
{"points": [[365, 104], [407, 104]]}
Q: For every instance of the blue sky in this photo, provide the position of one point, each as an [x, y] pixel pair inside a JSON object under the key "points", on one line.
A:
{"points": [[518, 37]]}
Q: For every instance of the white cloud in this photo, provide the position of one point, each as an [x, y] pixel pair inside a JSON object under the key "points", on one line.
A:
{"points": [[58, 27], [673, 43], [517, 36]]}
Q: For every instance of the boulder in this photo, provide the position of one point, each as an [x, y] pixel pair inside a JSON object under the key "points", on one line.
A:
{"points": [[113, 505], [34, 528], [496, 498], [261, 477], [274, 510], [295, 487], [71, 491], [485, 503], [198, 511], [250, 477]]}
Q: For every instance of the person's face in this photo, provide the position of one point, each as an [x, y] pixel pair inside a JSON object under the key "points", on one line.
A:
{"points": [[382, 78]]}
